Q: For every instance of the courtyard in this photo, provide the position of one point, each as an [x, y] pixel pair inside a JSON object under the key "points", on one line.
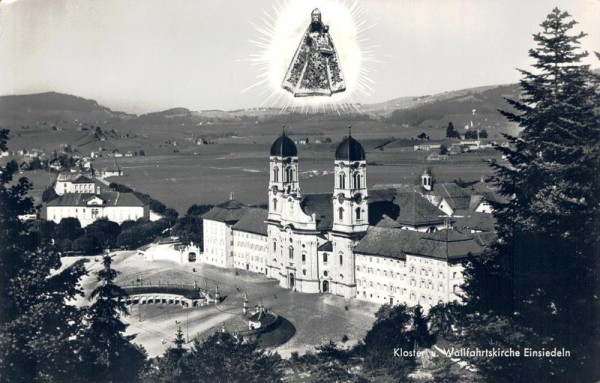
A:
{"points": [[317, 318]]}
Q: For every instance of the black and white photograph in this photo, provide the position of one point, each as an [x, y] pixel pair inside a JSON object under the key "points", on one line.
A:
{"points": [[299, 191]]}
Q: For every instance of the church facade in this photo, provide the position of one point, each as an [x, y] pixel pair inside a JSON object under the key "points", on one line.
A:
{"points": [[391, 245]]}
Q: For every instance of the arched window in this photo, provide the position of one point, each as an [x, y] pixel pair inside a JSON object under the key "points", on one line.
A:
{"points": [[275, 174], [274, 203], [342, 181], [289, 174], [274, 245], [303, 257], [325, 258], [341, 259], [291, 252], [357, 213], [341, 213], [356, 180]]}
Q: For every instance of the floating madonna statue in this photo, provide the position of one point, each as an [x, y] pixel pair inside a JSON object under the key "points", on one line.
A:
{"points": [[315, 69]]}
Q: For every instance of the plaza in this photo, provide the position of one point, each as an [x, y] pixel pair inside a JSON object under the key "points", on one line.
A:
{"points": [[317, 318]]}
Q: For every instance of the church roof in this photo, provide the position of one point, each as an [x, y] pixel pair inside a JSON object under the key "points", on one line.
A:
{"points": [[284, 147], [476, 221], [253, 221], [416, 210], [457, 197], [444, 244], [322, 206], [327, 246], [350, 150], [388, 222], [108, 198], [482, 191], [229, 211]]}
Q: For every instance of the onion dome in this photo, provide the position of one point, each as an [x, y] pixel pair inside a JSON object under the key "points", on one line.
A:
{"points": [[350, 150], [284, 147]]}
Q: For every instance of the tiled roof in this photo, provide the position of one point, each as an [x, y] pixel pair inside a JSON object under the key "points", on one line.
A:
{"points": [[109, 199], [476, 221], [253, 221], [229, 211], [457, 197], [395, 243], [69, 176], [388, 222], [386, 242], [82, 180], [484, 191], [327, 246], [417, 211]]}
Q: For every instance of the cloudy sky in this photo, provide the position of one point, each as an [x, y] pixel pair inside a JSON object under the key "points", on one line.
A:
{"points": [[140, 56]]}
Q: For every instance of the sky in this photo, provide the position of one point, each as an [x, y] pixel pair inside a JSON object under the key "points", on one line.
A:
{"points": [[141, 56]]}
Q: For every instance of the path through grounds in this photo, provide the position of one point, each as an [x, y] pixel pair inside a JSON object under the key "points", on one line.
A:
{"points": [[317, 317]]}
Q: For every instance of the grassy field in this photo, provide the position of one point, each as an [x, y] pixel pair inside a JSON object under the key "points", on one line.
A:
{"points": [[208, 177], [237, 159]]}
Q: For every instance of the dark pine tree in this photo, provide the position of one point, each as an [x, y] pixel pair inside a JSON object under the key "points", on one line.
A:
{"points": [[39, 327], [420, 329], [221, 358], [116, 358], [170, 367], [390, 330], [541, 277], [450, 132]]}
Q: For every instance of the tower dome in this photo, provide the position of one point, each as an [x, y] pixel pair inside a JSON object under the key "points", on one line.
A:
{"points": [[350, 150], [284, 147]]}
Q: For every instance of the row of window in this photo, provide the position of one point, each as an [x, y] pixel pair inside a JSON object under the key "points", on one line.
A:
{"points": [[383, 273], [386, 261], [357, 213], [357, 181], [288, 174]]}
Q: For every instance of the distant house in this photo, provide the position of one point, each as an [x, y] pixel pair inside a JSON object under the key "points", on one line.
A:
{"points": [[55, 165], [437, 157], [427, 147], [111, 172], [25, 164], [88, 207], [75, 183]]}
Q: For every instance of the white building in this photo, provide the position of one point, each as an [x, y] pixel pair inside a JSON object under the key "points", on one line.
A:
{"points": [[250, 241], [384, 245], [401, 266], [67, 182], [218, 233], [87, 208]]}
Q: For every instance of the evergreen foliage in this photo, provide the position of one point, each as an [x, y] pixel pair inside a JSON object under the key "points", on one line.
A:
{"points": [[113, 357], [220, 358], [39, 330], [451, 132], [538, 285]]}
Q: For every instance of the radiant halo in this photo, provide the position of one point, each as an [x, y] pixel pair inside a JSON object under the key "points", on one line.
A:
{"points": [[281, 30]]}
